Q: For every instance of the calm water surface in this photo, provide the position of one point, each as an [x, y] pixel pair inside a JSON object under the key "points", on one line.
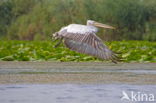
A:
{"points": [[71, 93]]}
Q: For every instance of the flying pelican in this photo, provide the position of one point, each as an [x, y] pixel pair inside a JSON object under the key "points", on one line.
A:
{"points": [[83, 39]]}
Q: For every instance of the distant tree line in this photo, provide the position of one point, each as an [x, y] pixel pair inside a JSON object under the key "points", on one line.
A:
{"points": [[38, 19]]}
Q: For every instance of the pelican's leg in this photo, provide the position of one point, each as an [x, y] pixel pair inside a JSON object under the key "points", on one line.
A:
{"points": [[54, 39], [60, 41]]}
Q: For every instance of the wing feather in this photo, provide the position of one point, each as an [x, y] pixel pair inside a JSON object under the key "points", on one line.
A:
{"points": [[87, 43], [89, 38], [88, 49]]}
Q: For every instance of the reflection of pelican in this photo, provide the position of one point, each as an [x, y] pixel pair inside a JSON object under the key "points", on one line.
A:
{"points": [[83, 39]]}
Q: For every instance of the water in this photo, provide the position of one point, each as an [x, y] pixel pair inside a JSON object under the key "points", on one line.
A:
{"points": [[70, 93]]}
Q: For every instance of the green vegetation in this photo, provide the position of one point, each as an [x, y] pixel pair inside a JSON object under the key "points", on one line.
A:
{"points": [[132, 51], [37, 19]]}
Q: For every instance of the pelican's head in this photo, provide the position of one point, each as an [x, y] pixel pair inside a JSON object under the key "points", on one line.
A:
{"points": [[97, 24]]}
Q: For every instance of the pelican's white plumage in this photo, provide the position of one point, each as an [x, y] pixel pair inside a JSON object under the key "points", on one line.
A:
{"points": [[81, 29], [83, 39]]}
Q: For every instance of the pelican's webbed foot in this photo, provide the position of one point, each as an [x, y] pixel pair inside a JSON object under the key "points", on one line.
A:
{"points": [[60, 41]]}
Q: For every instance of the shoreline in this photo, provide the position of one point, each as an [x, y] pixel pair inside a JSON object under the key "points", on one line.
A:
{"points": [[77, 73]]}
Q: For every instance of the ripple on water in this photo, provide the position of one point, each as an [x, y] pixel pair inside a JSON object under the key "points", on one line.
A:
{"points": [[69, 93]]}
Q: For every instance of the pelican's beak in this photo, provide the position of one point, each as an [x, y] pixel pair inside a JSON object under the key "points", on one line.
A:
{"points": [[103, 25]]}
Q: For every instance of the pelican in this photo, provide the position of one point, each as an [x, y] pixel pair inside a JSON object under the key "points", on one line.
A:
{"points": [[83, 39]]}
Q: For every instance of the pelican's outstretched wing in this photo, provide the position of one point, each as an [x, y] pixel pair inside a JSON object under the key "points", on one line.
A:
{"points": [[90, 50], [87, 36], [103, 53], [87, 42]]}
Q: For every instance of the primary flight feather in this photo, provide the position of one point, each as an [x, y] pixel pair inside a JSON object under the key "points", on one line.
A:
{"points": [[83, 39]]}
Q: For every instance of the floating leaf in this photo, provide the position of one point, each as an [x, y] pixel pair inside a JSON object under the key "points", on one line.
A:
{"points": [[131, 51]]}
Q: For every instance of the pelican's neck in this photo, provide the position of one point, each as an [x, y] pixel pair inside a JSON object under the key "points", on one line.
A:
{"points": [[89, 24], [92, 26], [95, 29]]}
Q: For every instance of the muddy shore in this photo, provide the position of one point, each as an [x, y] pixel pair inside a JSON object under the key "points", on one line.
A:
{"points": [[73, 72]]}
